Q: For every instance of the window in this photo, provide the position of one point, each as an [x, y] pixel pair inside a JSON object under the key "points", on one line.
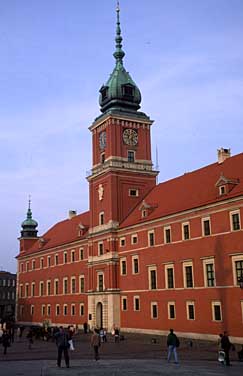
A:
{"points": [[27, 266], [81, 309], [22, 267], [81, 254], [73, 256], [154, 310], [48, 310], [43, 310], [65, 286], [81, 284], [136, 303], [100, 282], [48, 287], [56, 287], [128, 90], [57, 309], [13, 283], [152, 278], [122, 242], [209, 275], [73, 285], [135, 265], [222, 190], [65, 310], [101, 218], [169, 276], [124, 303], [216, 311], [56, 259], [33, 264], [41, 263], [41, 288], [100, 248], [151, 238], [32, 310], [167, 235], [134, 239], [239, 270], [49, 261], [65, 258], [131, 156], [102, 158], [188, 275], [171, 310], [21, 291], [33, 289], [190, 311], [26, 290], [185, 231], [123, 266], [144, 213], [73, 309], [235, 221], [206, 226], [133, 192]]}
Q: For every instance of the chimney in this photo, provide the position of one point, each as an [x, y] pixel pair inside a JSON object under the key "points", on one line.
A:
{"points": [[72, 213], [223, 154]]}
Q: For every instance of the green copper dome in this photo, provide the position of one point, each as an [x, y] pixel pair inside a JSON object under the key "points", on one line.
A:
{"points": [[29, 225], [120, 92]]}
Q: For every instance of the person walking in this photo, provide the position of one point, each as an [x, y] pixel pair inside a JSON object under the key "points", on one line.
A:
{"points": [[62, 346], [172, 343], [226, 345], [5, 341], [30, 335], [95, 342]]}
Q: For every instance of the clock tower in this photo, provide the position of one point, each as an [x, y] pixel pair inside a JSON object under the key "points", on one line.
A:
{"points": [[122, 174]]}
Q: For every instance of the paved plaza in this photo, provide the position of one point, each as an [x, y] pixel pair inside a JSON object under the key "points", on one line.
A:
{"points": [[136, 355]]}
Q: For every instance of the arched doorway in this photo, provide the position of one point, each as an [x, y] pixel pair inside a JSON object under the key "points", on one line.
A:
{"points": [[99, 315]]}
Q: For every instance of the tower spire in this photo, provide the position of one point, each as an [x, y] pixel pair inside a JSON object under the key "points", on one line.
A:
{"points": [[119, 53], [29, 225]]}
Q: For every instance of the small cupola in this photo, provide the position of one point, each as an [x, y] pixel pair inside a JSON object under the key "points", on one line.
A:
{"points": [[120, 93], [29, 225]]}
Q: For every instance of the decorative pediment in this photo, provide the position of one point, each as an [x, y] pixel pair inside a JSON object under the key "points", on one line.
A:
{"points": [[42, 242], [146, 208], [81, 229], [225, 185]]}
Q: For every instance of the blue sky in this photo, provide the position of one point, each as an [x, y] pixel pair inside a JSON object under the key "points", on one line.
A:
{"points": [[186, 56]]}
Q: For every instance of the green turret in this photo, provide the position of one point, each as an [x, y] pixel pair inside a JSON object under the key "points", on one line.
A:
{"points": [[29, 226], [120, 93]]}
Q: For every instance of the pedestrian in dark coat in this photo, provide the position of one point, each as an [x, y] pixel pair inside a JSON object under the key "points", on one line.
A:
{"points": [[226, 345], [95, 342], [5, 341], [62, 346], [172, 343]]}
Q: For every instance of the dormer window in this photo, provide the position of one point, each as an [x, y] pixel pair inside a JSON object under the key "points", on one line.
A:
{"points": [[222, 190], [104, 92], [128, 90], [144, 213], [102, 158]]}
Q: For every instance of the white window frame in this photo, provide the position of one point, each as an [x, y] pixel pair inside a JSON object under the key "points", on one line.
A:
{"points": [[49, 261], [65, 257], [101, 243], [205, 263], [123, 259], [133, 237], [81, 277], [171, 303], [222, 190], [32, 309], [56, 280], [231, 219], [101, 215], [213, 304], [182, 230], [33, 264], [122, 304], [65, 279], [81, 308], [48, 282], [41, 283], [184, 265], [73, 255], [73, 309], [135, 257], [71, 285], [98, 274], [43, 310], [169, 266], [234, 259], [57, 308], [65, 309], [27, 290], [189, 303], [135, 298], [151, 310], [210, 229], [81, 253], [56, 258], [149, 243], [123, 239], [167, 228], [33, 289], [133, 190], [150, 269], [42, 263]]}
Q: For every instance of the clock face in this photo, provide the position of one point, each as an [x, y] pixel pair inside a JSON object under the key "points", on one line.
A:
{"points": [[130, 136], [102, 140]]}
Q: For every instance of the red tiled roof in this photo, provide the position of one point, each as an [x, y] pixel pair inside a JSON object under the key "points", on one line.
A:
{"points": [[62, 232], [191, 190]]}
